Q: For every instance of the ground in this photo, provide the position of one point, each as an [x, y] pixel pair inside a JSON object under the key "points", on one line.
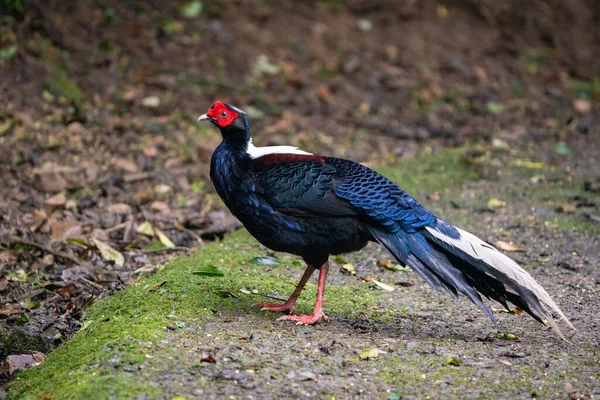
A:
{"points": [[104, 168], [181, 334]]}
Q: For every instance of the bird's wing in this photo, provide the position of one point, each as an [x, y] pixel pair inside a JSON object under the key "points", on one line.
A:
{"points": [[380, 198], [337, 187], [302, 187]]}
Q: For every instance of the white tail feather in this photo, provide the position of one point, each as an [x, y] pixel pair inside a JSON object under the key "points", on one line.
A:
{"points": [[480, 250]]}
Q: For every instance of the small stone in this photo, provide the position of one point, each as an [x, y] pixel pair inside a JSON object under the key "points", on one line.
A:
{"points": [[18, 362], [582, 106], [150, 152], [351, 64], [108, 220], [71, 205], [151, 102], [126, 165], [77, 128], [51, 177], [159, 207], [56, 201]]}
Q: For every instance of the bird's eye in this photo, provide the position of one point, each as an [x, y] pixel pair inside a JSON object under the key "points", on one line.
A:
{"points": [[224, 114]]}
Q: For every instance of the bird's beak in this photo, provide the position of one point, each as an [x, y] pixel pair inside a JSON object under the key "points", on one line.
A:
{"points": [[203, 117]]}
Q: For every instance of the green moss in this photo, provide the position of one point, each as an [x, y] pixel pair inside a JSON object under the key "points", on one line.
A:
{"points": [[110, 345]]}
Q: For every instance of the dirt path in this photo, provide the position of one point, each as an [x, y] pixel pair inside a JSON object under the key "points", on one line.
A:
{"points": [[179, 334]]}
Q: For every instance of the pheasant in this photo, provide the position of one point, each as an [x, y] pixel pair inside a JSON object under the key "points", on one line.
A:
{"points": [[315, 206]]}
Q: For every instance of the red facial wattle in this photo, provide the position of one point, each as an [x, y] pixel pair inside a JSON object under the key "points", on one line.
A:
{"points": [[222, 114]]}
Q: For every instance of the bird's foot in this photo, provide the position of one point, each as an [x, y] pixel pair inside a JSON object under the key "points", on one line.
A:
{"points": [[287, 306], [305, 319]]}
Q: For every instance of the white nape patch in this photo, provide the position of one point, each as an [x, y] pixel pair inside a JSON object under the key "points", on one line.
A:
{"points": [[256, 152], [480, 250]]}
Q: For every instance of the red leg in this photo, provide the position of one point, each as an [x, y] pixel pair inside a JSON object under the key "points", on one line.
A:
{"points": [[317, 315], [290, 304]]}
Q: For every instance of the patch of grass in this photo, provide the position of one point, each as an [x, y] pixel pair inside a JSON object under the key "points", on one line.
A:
{"points": [[431, 173]]}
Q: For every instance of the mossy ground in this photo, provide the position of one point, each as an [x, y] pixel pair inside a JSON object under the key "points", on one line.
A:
{"points": [[158, 337]]}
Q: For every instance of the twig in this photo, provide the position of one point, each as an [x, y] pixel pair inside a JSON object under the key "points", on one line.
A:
{"points": [[165, 249], [268, 296], [194, 235], [18, 240], [116, 227]]}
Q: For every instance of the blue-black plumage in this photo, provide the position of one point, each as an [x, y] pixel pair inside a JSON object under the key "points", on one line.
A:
{"points": [[315, 206]]}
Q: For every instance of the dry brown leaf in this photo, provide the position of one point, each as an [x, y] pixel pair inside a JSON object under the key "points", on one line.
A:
{"points": [[496, 203], [348, 268], [108, 253], [62, 230], [164, 239], [508, 246], [383, 286], [568, 208], [368, 354]]}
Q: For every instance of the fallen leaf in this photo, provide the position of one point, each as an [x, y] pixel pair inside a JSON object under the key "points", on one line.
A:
{"points": [[108, 253], [30, 304], [6, 53], [383, 286], [145, 229], [508, 246], [119, 208], [265, 260], [151, 102], [388, 264], [454, 361], [17, 362], [155, 286], [348, 268], [192, 9], [62, 230], [434, 196], [567, 208], [56, 201], [159, 206], [495, 203], [208, 270], [371, 353], [67, 290], [506, 336], [494, 107], [528, 164], [207, 358], [561, 148], [7, 312], [164, 239]]}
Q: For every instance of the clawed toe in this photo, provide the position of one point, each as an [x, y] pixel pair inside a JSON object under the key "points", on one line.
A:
{"points": [[305, 319]]}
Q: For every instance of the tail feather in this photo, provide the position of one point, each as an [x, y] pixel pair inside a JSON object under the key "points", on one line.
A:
{"points": [[450, 258]]}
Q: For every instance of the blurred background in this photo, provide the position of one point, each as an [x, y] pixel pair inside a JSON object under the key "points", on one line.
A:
{"points": [[104, 169]]}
